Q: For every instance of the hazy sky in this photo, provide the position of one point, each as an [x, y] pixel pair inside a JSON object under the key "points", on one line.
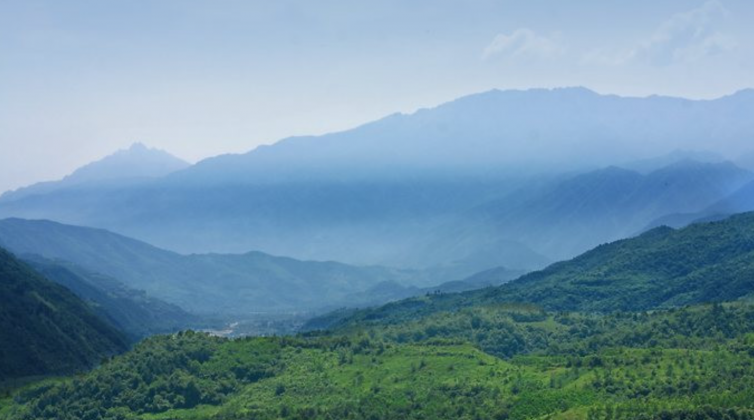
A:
{"points": [[80, 79]]}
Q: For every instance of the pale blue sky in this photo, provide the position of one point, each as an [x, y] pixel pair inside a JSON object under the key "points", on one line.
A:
{"points": [[80, 79]]}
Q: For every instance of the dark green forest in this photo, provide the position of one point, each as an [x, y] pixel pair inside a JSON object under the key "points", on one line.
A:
{"points": [[45, 328]]}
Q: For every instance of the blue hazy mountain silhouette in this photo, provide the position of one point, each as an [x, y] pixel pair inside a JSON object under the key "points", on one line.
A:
{"points": [[388, 191]]}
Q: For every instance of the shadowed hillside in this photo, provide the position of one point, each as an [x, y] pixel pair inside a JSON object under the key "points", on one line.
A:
{"points": [[44, 328]]}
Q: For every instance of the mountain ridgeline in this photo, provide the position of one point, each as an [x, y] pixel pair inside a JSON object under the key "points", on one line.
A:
{"points": [[571, 128]]}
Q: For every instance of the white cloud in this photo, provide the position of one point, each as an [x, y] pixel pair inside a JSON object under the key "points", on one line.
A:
{"points": [[689, 36], [710, 45], [523, 42], [685, 37]]}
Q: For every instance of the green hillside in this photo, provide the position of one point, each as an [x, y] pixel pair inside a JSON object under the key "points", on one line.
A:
{"points": [[663, 268], [46, 329]]}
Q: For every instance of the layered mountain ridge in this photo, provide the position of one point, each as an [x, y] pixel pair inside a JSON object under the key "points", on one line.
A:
{"points": [[397, 191], [226, 284]]}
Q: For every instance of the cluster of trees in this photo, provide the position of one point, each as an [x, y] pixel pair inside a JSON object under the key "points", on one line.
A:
{"points": [[698, 413], [507, 330], [160, 373]]}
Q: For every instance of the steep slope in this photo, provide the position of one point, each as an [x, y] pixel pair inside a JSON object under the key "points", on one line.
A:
{"points": [[132, 311], [207, 283], [705, 262], [122, 167], [46, 329]]}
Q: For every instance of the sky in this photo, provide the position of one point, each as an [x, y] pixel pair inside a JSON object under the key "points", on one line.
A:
{"points": [[81, 79]]}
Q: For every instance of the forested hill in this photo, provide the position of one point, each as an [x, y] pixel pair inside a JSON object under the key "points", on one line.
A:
{"points": [[45, 328], [705, 262]]}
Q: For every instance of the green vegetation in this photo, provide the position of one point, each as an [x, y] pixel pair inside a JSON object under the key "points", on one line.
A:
{"points": [[46, 329], [508, 330], [663, 268], [694, 362]]}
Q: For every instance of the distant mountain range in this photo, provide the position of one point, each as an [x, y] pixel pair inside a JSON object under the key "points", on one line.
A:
{"points": [[225, 284], [45, 329], [576, 214], [503, 178], [499, 131]]}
